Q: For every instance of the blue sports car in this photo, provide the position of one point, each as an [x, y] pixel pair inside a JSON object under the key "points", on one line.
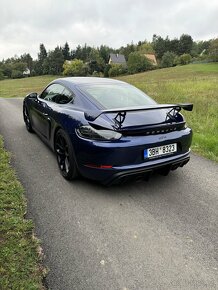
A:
{"points": [[108, 130]]}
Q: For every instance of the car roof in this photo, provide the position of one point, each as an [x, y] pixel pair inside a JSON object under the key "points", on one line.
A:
{"points": [[72, 81]]}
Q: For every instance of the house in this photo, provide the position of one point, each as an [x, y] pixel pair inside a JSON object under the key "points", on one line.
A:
{"points": [[117, 59], [152, 58], [26, 73]]}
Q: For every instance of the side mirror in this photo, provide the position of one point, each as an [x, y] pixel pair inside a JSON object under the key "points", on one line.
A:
{"points": [[32, 95]]}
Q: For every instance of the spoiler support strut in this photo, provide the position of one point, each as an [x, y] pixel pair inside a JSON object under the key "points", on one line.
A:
{"points": [[121, 112]]}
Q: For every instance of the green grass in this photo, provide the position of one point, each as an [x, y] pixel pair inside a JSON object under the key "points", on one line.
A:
{"points": [[20, 266], [194, 83], [21, 87]]}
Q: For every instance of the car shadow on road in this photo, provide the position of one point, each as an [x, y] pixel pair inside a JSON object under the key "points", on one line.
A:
{"points": [[153, 186]]}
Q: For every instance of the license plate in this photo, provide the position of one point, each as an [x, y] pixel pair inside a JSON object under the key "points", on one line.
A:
{"points": [[160, 151]]}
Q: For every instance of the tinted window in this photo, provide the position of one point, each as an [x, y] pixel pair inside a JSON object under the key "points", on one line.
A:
{"points": [[113, 96], [57, 93]]}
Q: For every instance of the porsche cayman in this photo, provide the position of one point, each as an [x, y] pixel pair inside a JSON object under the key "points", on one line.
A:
{"points": [[107, 130]]}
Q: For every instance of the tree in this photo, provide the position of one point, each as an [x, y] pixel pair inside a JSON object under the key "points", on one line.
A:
{"points": [[181, 46], [6, 69], [104, 52], [42, 56], [185, 44], [75, 67], [145, 47], [168, 59], [26, 57], [66, 51], [200, 48], [42, 53], [96, 62], [85, 52], [19, 66], [1, 75], [126, 50], [213, 50], [53, 64], [159, 45], [138, 63], [174, 46], [78, 52]]}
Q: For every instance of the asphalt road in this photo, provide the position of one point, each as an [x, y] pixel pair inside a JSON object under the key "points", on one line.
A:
{"points": [[161, 234]]}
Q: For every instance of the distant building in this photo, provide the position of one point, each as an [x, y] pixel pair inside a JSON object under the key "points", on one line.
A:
{"points": [[117, 59], [26, 73], [152, 58]]}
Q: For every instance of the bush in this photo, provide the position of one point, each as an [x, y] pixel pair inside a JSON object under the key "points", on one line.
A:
{"points": [[184, 59], [16, 74], [168, 59], [116, 70], [138, 63], [1, 75], [75, 67], [106, 70], [97, 74]]}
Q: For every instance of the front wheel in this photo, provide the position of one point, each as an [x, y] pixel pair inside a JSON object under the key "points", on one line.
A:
{"points": [[26, 118], [65, 156]]}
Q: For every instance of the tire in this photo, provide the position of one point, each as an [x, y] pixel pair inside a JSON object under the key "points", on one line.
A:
{"points": [[27, 120], [65, 155]]}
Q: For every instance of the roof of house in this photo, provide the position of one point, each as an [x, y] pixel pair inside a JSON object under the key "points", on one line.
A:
{"points": [[117, 58], [26, 71], [151, 57]]}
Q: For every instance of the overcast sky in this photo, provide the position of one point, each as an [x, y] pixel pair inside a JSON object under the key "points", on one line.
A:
{"points": [[24, 24]]}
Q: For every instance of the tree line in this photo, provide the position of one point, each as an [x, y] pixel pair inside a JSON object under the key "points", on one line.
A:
{"points": [[86, 60]]}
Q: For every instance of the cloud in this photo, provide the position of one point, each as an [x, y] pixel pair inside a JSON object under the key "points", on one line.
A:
{"points": [[25, 24]]}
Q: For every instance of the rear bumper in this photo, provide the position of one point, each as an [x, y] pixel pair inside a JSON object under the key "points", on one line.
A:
{"points": [[125, 159], [140, 171]]}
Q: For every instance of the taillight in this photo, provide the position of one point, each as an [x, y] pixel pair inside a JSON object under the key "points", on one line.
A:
{"points": [[89, 132]]}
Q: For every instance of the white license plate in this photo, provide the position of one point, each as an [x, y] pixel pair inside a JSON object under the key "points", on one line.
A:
{"points": [[160, 151]]}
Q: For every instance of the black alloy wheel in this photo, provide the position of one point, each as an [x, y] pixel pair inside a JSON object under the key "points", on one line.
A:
{"points": [[65, 156], [26, 118]]}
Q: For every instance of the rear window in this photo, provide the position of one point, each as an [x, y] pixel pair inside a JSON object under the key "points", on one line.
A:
{"points": [[112, 96]]}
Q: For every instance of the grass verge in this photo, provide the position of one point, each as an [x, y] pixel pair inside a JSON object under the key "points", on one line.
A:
{"points": [[20, 266]]}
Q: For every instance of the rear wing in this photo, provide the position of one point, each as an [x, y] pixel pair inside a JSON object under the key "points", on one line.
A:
{"points": [[93, 115], [121, 112]]}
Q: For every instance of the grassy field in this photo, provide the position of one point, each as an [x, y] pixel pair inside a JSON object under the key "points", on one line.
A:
{"points": [[21, 87], [196, 83], [19, 251]]}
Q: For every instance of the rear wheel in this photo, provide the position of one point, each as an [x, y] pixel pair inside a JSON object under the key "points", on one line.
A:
{"points": [[65, 156], [26, 118]]}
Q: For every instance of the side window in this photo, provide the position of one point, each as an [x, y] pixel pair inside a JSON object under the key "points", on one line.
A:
{"points": [[50, 93], [66, 97], [57, 93]]}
